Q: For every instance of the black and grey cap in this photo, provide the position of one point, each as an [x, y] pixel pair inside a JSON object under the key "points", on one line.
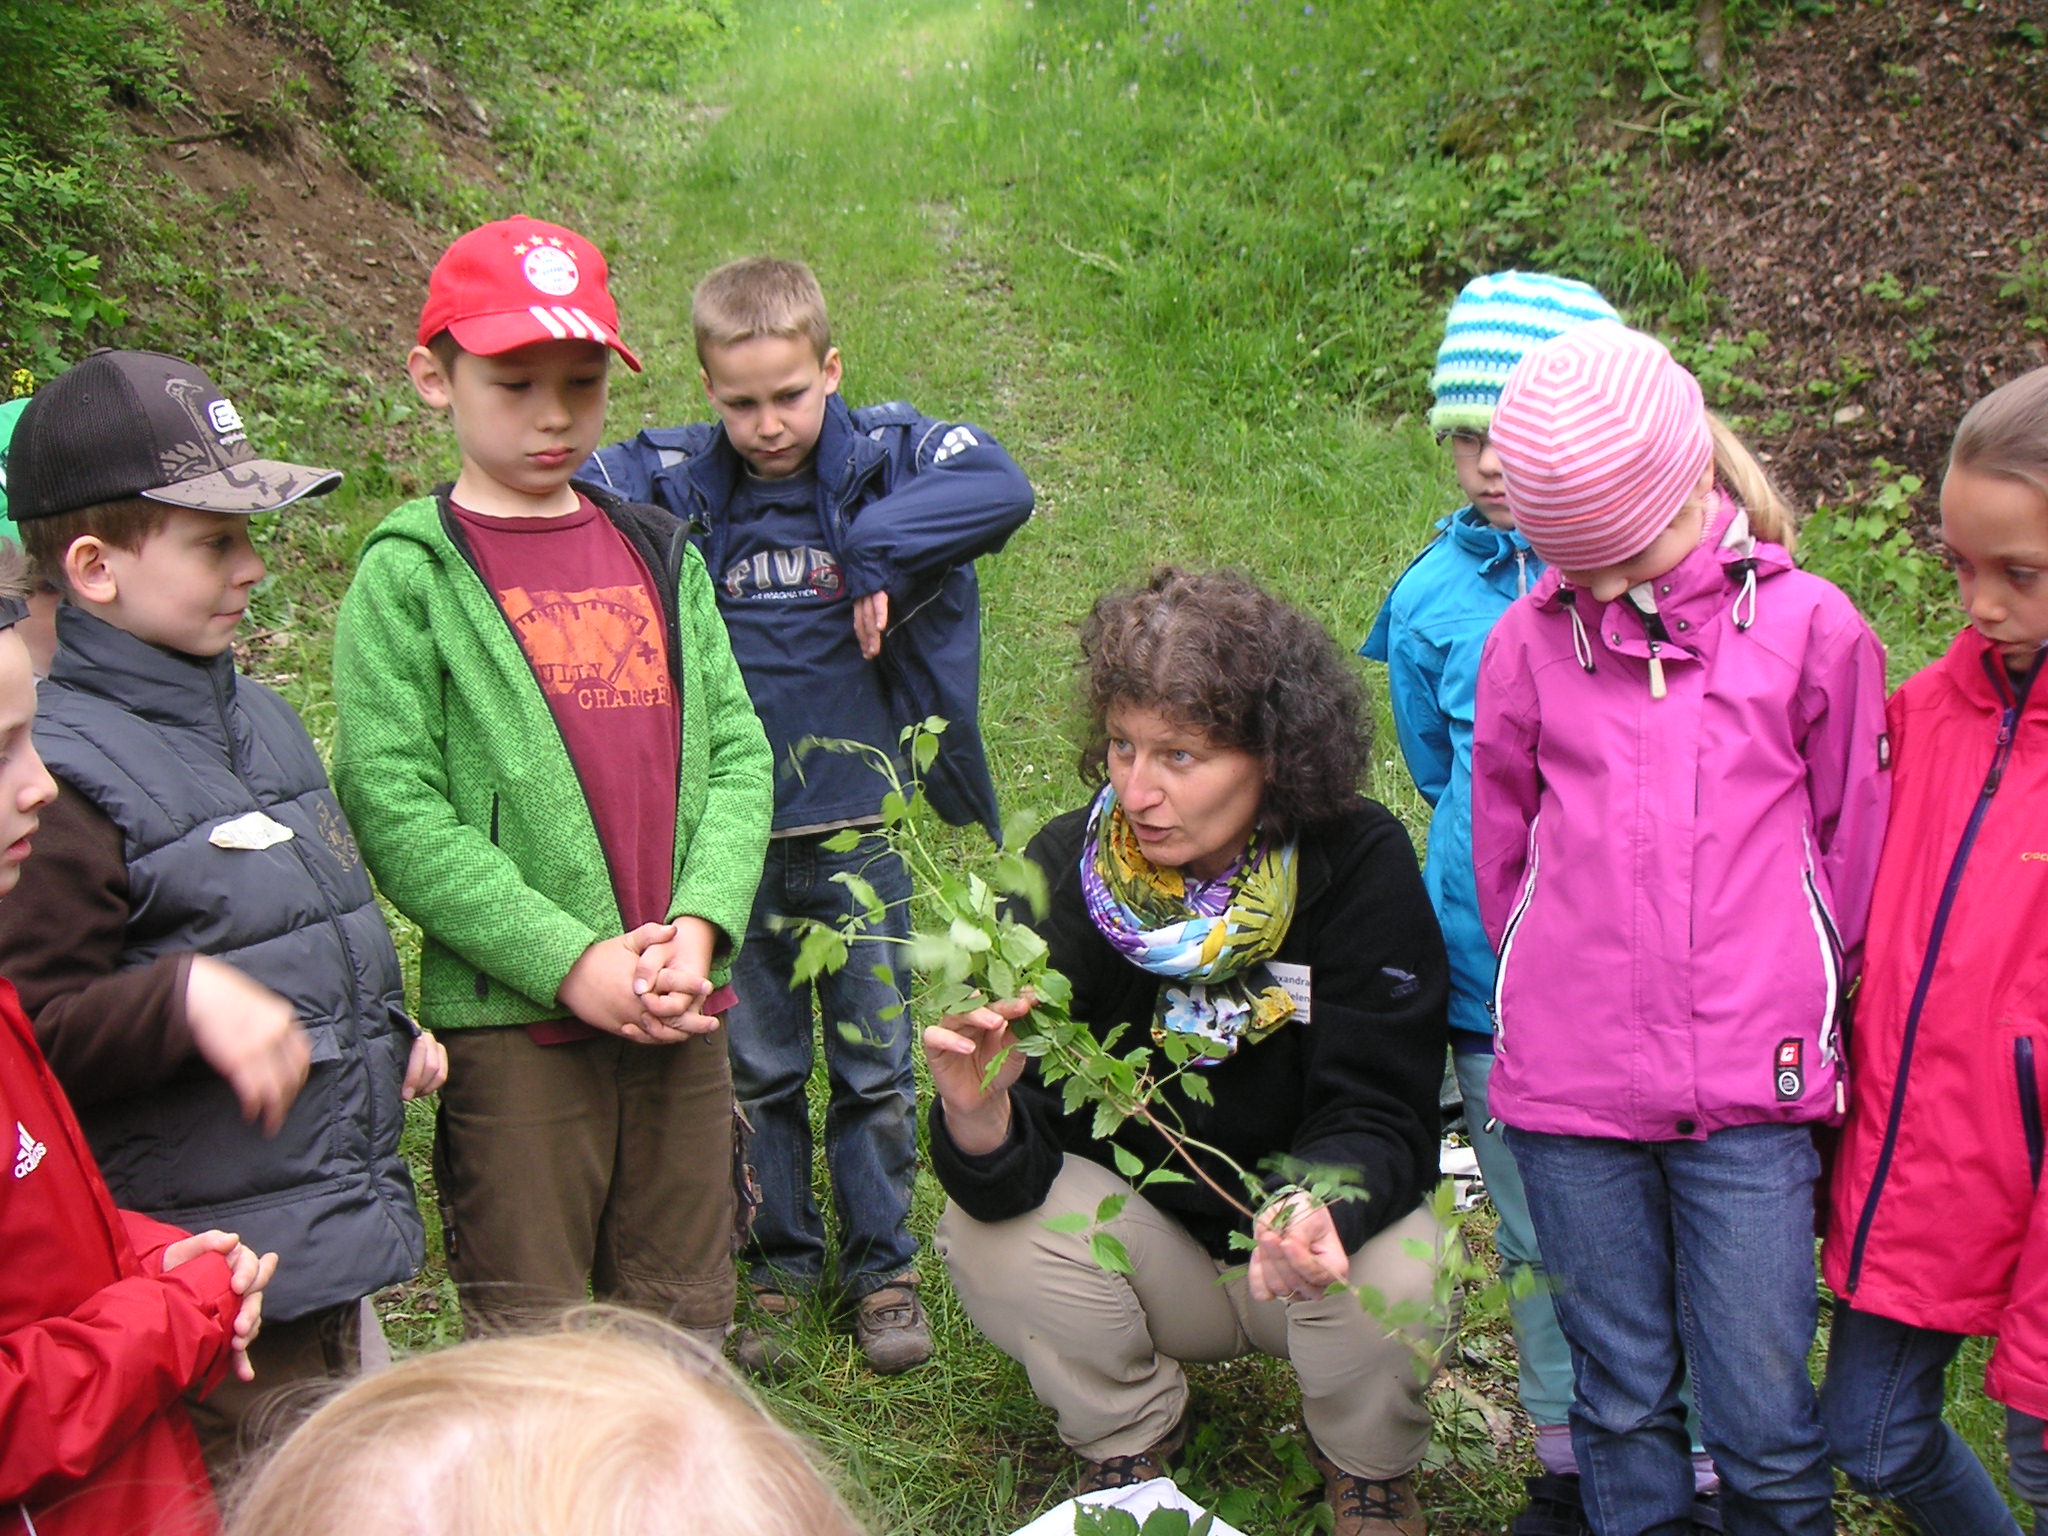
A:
{"points": [[124, 424]]}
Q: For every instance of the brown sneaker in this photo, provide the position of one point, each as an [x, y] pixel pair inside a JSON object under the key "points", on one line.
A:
{"points": [[766, 1347], [890, 1327], [1369, 1506], [1140, 1467]]}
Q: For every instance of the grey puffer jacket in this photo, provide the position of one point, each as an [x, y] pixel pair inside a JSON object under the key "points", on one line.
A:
{"points": [[171, 748]]}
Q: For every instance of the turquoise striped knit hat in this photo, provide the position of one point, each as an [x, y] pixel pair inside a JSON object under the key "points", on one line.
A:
{"points": [[1496, 320]]}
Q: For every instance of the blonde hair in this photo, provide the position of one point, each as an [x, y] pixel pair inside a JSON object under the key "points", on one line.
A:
{"points": [[17, 576], [2006, 433], [1736, 470], [614, 1425], [759, 296]]}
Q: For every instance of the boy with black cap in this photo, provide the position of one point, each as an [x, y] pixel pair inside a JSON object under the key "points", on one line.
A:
{"points": [[197, 941], [551, 759]]}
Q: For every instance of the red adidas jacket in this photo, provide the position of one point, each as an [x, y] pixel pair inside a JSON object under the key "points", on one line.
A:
{"points": [[1936, 1215], [97, 1343]]}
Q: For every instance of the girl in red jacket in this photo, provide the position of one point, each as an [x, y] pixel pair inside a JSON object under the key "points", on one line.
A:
{"points": [[1937, 1227], [106, 1317]]}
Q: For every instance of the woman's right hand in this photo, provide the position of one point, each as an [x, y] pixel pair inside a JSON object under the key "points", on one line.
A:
{"points": [[959, 1049]]}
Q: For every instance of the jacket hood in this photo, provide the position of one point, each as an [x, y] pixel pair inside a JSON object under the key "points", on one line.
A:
{"points": [[1491, 546]]}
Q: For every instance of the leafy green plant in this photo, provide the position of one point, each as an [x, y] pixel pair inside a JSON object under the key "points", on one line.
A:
{"points": [[971, 950], [2027, 284], [1095, 1520]]}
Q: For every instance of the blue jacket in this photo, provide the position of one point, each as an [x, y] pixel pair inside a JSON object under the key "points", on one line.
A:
{"points": [[1430, 632], [906, 504]]}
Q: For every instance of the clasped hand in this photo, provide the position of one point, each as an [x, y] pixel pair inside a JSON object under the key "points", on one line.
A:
{"points": [[248, 1272], [648, 986]]}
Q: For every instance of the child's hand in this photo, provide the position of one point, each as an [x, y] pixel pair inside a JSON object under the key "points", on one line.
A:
{"points": [[870, 618], [599, 988], [672, 980], [1299, 1254], [248, 1273], [249, 1035], [426, 1068]]}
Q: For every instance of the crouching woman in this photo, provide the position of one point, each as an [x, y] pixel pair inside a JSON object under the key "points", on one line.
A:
{"points": [[1228, 883]]}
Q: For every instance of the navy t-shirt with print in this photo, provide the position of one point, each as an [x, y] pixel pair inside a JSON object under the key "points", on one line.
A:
{"points": [[786, 607]]}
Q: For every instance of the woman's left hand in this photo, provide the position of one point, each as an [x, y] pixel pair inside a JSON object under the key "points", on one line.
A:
{"points": [[1299, 1255]]}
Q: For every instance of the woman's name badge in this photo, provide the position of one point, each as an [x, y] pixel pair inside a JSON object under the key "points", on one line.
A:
{"points": [[252, 832], [1293, 980]]}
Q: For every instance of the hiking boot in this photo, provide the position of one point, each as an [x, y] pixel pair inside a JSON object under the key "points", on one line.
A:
{"points": [[766, 1346], [1556, 1507], [1140, 1467], [1369, 1506], [890, 1327]]}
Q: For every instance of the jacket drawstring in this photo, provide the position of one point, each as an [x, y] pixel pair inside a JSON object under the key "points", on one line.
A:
{"points": [[1521, 573], [1582, 647], [1747, 596]]}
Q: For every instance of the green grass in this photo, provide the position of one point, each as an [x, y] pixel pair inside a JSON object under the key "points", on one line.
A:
{"points": [[1188, 262]]}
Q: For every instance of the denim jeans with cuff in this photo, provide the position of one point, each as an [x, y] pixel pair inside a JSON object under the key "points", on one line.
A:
{"points": [[1881, 1406], [1677, 1254], [871, 1111]]}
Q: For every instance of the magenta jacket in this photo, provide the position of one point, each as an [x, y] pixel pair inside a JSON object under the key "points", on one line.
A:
{"points": [[1677, 885]]}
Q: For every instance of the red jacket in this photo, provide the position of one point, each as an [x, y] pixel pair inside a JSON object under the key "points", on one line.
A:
{"points": [[1936, 1217], [97, 1343]]}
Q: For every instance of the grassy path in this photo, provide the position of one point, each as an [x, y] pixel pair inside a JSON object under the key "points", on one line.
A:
{"points": [[843, 134]]}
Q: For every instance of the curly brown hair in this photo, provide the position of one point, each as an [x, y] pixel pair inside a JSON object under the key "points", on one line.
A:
{"points": [[1216, 653]]}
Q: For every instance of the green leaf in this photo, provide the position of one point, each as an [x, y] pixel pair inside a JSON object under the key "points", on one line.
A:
{"points": [[1127, 1161], [970, 938], [1107, 1118], [894, 808], [843, 842], [822, 949], [1067, 1221], [1002, 981], [1109, 1253], [1112, 1206], [863, 894], [924, 751]]}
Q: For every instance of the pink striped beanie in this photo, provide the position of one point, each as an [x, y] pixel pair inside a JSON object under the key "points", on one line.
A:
{"points": [[1602, 436]]}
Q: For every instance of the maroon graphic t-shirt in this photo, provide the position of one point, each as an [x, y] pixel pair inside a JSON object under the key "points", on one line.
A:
{"points": [[585, 609]]}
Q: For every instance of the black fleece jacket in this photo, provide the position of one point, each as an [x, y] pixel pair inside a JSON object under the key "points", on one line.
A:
{"points": [[1355, 1087]]}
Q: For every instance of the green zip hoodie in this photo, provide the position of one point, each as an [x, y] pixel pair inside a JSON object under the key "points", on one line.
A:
{"points": [[461, 791]]}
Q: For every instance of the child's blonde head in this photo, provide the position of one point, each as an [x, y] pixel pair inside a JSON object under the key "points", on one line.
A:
{"points": [[1736, 469], [759, 296], [617, 1425], [2006, 433]]}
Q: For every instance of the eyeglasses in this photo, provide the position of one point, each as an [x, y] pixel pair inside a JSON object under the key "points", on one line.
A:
{"points": [[1465, 444]]}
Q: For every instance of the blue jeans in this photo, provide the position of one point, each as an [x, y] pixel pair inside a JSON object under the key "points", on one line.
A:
{"points": [[871, 1115], [1881, 1407], [1543, 1359], [1687, 1254]]}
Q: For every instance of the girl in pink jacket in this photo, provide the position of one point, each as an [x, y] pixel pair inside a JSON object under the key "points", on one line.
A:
{"points": [[1679, 790], [1937, 1227]]}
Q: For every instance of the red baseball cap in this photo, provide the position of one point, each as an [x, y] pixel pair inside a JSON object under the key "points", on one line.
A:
{"points": [[519, 281]]}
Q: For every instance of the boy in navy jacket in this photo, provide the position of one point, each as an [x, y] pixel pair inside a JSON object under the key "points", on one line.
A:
{"points": [[841, 543]]}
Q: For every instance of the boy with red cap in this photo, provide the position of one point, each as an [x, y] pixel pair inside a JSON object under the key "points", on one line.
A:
{"points": [[553, 767]]}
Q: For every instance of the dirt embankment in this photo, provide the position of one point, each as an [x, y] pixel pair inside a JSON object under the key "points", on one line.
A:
{"points": [[1884, 178], [280, 211]]}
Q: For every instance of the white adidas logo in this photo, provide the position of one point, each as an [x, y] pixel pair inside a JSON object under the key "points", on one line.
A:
{"points": [[29, 1154]]}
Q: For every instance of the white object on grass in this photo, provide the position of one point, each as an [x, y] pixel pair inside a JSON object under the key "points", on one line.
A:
{"points": [[1138, 1500]]}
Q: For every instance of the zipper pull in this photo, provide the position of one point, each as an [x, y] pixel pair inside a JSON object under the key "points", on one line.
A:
{"points": [[1841, 1097], [2005, 723], [1656, 673]]}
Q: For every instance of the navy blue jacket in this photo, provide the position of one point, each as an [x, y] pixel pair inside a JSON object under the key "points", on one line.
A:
{"points": [[905, 503]]}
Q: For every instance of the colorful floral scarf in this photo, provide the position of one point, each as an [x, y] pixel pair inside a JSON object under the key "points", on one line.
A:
{"points": [[1208, 936]]}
